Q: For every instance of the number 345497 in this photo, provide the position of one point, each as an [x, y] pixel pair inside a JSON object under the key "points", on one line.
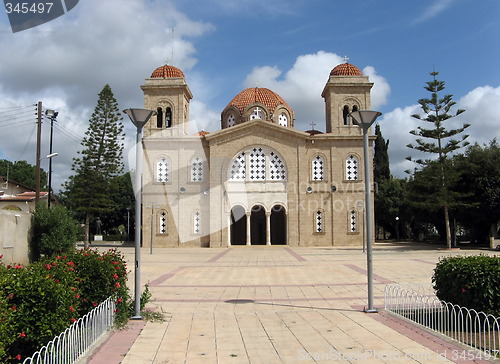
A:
{"points": [[26, 8]]}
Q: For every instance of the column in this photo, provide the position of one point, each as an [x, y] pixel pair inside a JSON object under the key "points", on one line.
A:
{"points": [[249, 235], [268, 228]]}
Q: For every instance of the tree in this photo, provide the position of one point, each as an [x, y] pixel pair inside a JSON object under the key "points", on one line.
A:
{"points": [[480, 178], [381, 168], [21, 172], [439, 141], [88, 190], [54, 230]]}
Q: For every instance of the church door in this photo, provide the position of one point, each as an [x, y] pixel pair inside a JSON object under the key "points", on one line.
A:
{"points": [[258, 225], [238, 226], [278, 225]]}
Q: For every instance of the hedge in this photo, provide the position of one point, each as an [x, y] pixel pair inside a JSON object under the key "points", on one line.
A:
{"points": [[41, 300], [469, 281]]}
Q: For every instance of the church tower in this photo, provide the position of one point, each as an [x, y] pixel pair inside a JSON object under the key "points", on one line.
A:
{"points": [[347, 90], [167, 92]]}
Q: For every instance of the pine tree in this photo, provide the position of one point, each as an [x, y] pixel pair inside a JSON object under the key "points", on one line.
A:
{"points": [[88, 191], [439, 141], [381, 168]]}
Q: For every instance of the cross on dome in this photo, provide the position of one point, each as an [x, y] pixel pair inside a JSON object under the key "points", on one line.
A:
{"points": [[313, 124], [345, 58]]}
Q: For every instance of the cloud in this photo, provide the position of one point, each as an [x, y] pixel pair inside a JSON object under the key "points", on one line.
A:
{"points": [[481, 112], [434, 10], [302, 85], [66, 62]]}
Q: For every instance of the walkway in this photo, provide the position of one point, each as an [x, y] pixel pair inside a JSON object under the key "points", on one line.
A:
{"points": [[277, 305]]}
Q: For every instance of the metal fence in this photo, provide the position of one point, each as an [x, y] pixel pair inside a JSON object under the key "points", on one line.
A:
{"points": [[77, 339], [419, 304]]}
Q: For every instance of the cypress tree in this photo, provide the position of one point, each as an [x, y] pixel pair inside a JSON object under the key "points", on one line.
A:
{"points": [[440, 142], [88, 191]]}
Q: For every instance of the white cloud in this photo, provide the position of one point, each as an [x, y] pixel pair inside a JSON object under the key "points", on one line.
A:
{"points": [[434, 10], [481, 112], [66, 62], [303, 84]]}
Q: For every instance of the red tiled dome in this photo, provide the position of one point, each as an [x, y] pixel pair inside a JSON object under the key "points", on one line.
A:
{"points": [[346, 69], [256, 94], [167, 72]]}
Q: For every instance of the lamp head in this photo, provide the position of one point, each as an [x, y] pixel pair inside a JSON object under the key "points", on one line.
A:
{"points": [[364, 118], [139, 117]]}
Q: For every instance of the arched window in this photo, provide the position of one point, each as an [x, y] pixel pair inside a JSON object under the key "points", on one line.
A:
{"points": [[162, 222], [162, 170], [257, 164], [159, 117], [318, 221], [168, 117], [197, 222], [238, 168], [345, 113], [277, 171], [283, 120], [318, 168], [256, 114], [353, 223], [196, 170], [355, 108], [351, 168]]}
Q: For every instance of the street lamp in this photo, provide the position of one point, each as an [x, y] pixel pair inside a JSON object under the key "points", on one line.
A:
{"points": [[364, 119], [139, 118], [52, 115]]}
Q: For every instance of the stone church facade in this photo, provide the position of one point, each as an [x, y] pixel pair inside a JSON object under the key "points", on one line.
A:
{"points": [[257, 180]]}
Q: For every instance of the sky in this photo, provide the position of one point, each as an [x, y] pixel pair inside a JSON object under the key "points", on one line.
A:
{"points": [[225, 46]]}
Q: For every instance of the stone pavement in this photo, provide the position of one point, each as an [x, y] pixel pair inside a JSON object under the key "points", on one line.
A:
{"points": [[276, 304]]}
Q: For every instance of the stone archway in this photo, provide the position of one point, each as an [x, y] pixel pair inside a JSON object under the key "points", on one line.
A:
{"points": [[258, 225], [278, 225], [238, 225]]}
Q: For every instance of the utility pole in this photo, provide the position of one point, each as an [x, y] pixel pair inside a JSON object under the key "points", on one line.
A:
{"points": [[38, 145]]}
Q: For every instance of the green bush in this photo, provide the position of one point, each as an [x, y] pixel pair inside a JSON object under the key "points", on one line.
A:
{"points": [[469, 281], [54, 231], [40, 301]]}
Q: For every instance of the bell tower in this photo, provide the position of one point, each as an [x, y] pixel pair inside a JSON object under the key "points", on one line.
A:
{"points": [[167, 92], [347, 90]]}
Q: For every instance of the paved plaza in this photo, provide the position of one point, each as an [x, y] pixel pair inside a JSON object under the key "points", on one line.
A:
{"points": [[276, 304]]}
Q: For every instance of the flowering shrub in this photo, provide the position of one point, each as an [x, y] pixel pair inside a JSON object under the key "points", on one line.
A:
{"points": [[469, 281], [41, 300]]}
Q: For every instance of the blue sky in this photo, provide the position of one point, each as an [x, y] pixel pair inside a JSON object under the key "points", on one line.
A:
{"points": [[224, 46]]}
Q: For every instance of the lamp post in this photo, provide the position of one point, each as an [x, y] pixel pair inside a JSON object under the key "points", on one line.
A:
{"points": [[364, 119], [52, 115], [139, 118]]}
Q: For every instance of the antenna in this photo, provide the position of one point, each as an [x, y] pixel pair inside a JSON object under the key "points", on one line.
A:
{"points": [[172, 57]]}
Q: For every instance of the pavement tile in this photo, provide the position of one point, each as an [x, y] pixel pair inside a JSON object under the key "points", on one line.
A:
{"points": [[273, 305]]}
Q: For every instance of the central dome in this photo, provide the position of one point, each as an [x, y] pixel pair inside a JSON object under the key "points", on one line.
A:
{"points": [[257, 94], [167, 72], [346, 69]]}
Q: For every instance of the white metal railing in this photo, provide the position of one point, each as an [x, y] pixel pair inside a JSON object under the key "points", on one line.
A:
{"points": [[476, 329], [74, 342]]}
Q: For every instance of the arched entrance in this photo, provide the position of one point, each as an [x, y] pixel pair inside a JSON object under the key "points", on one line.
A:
{"points": [[238, 225], [258, 225], [278, 225]]}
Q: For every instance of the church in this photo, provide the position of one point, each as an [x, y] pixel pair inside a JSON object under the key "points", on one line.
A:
{"points": [[257, 180]]}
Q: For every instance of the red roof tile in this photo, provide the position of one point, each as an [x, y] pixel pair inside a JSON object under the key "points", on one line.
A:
{"points": [[346, 69], [167, 72], [256, 94]]}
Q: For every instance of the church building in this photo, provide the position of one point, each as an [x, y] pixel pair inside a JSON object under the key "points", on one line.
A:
{"points": [[258, 180]]}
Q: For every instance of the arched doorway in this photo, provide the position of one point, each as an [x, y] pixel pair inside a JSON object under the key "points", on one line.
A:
{"points": [[278, 225], [258, 225], [238, 225]]}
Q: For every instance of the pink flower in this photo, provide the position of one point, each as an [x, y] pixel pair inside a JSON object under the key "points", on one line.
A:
{"points": [[77, 295], [18, 357], [22, 334], [117, 284], [115, 276], [71, 309], [48, 266], [73, 320], [71, 264]]}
